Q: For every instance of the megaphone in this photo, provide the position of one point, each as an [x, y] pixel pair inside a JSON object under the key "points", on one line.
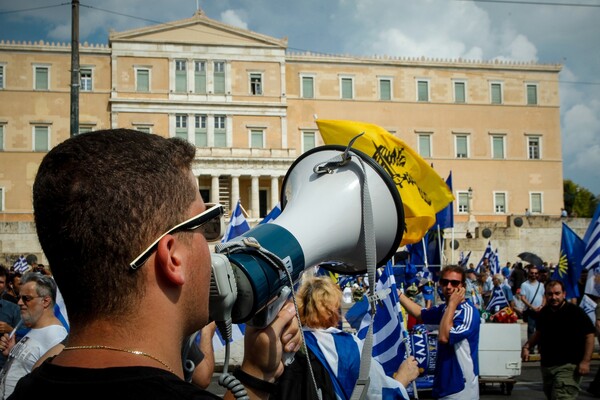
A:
{"points": [[321, 220]]}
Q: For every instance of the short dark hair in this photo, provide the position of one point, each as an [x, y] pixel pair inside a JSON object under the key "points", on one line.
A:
{"points": [[99, 199], [554, 282], [455, 268]]}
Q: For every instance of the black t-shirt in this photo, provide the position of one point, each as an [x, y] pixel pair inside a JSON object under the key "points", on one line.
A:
{"points": [[114, 383], [562, 334]]}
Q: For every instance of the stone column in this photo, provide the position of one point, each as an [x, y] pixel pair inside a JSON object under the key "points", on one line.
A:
{"points": [[274, 191], [254, 202], [214, 189], [235, 189]]}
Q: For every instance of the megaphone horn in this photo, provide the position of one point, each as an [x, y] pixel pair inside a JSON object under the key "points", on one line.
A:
{"points": [[321, 220]]}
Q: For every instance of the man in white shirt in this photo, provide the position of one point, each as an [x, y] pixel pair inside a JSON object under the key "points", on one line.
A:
{"points": [[36, 300]]}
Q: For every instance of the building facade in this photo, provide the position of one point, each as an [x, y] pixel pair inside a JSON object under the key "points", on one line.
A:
{"points": [[249, 106]]}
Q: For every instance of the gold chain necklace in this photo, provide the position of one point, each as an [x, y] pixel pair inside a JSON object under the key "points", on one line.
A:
{"points": [[134, 352]]}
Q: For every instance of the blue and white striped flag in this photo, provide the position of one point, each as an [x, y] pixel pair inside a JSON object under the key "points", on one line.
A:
{"points": [[589, 306], [495, 262], [60, 309], [20, 265], [498, 299], [237, 224], [272, 215], [488, 253], [387, 332], [464, 260], [340, 353], [591, 255]]}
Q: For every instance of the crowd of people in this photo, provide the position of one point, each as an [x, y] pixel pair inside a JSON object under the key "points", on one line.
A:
{"points": [[108, 208]]}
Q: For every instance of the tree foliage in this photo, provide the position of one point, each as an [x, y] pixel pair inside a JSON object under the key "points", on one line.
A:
{"points": [[579, 202]]}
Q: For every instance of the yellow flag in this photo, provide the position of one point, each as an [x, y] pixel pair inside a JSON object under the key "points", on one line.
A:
{"points": [[423, 191]]}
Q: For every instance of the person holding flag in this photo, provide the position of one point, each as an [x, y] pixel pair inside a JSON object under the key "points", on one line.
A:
{"points": [[319, 300], [457, 364]]}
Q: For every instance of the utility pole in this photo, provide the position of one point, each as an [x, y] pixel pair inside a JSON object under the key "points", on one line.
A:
{"points": [[74, 67]]}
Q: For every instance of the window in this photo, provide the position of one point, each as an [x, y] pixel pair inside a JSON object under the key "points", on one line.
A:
{"points": [[1, 76], [256, 84], [41, 138], [534, 147], [532, 94], [463, 202], [219, 77], [142, 80], [500, 203], [461, 143], [425, 145], [460, 92], [144, 128], [181, 126], [85, 75], [347, 88], [257, 139], [308, 141], [496, 93], [1, 137], [180, 76], [536, 202], [422, 91], [1, 199], [308, 87], [200, 131], [41, 76], [498, 147], [220, 131], [200, 77], [385, 89], [85, 128]]}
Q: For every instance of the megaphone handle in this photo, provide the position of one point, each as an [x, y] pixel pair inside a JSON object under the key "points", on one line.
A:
{"points": [[264, 317]]}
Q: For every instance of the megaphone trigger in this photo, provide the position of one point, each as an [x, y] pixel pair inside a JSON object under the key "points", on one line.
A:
{"points": [[264, 317]]}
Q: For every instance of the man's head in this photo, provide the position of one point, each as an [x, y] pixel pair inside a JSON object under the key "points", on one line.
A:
{"points": [[36, 298], [498, 279], [471, 274], [555, 293], [99, 200], [452, 278], [319, 301], [532, 273], [3, 278]]}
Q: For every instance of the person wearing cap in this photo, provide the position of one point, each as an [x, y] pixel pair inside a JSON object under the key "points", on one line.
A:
{"points": [[474, 288]]}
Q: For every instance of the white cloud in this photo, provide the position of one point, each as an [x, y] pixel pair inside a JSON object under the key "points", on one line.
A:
{"points": [[231, 17]]}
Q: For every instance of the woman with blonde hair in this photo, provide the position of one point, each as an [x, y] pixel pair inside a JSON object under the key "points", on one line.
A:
{"points": [[319, 300]]}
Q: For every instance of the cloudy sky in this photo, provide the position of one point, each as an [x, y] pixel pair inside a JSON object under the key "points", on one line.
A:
{"points": [[546, 31]]}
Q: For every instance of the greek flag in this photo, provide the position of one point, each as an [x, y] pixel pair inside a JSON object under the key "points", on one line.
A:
{"points": [[464, 260], [339, 352], [488, 253], [21, 265], [237, 226], [388, 348], [498, 299], [589, 306], [274, 213], [591, 255]]}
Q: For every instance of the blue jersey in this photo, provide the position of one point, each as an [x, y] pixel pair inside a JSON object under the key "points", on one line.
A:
{"points": [[457, 364]]}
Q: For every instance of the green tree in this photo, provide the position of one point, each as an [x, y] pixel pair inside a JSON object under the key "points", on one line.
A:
{"points": [[578, 200]]}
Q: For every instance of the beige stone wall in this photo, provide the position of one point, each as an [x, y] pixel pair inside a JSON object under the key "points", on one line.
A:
{"points": [[283, 114]]}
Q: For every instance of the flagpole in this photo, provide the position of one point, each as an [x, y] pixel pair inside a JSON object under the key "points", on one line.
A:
{"points": [[440, 245], [452, 246]]}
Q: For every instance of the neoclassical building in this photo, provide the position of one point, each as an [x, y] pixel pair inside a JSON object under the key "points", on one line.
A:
{"points": [[249, 106]]}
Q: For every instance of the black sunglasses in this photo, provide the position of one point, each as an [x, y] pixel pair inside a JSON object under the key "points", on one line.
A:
{"points": [[26, 299], [210, 222], [444, 282]]}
